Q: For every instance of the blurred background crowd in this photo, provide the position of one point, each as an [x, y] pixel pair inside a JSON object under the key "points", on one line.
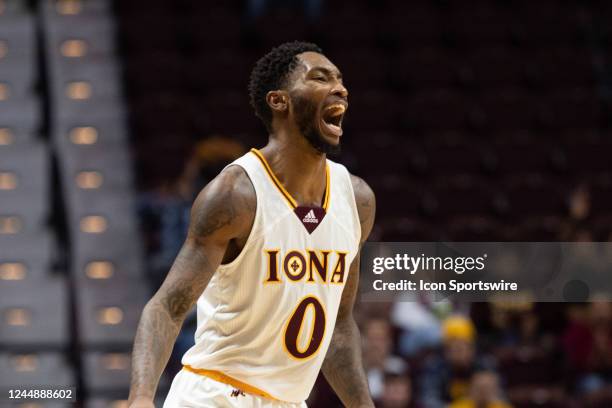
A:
{"points": [[487, 120]]}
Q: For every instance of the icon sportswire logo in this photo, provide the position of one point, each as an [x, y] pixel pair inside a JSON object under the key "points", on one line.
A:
{"points": [[311, 217]]}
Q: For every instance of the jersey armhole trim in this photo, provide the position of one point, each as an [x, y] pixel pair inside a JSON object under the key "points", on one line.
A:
{"points": [[254, 227], [354, 205]]}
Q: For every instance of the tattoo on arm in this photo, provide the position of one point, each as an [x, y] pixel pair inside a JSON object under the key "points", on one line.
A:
{"points": [[343, 367], [221, 212]]}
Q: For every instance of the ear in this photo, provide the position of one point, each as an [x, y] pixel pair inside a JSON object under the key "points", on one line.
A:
{"points": [[278, 100]]}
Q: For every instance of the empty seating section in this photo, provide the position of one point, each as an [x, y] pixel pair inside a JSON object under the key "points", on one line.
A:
{"points": [[75, 74], [34, 302], [89, 134]]}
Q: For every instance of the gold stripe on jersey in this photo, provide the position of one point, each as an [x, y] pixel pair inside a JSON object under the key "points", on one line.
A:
{"points": [[272, 176], [326, 199], [290, 200], [226, 379]]}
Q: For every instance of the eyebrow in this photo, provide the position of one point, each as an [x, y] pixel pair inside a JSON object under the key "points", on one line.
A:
{"points": [[328, 71]]}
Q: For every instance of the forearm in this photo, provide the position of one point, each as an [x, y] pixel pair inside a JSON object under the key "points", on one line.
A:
{"points": [[343, 368], [155, 337]]}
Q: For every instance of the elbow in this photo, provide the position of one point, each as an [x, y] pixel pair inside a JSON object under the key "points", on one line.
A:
{"points": [[158, 309]]}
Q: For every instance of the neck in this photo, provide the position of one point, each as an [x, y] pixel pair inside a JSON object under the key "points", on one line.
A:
{"points": [[298, 166]]}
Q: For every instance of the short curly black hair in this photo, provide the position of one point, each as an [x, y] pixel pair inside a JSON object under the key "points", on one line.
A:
{"points": [[270, 73]]}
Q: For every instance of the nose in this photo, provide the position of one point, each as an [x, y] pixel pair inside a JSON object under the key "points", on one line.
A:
{"points": [[340, 90]]}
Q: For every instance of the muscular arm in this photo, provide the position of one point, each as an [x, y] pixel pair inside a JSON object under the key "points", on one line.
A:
{"points": [[222, 212], [342, 367]]}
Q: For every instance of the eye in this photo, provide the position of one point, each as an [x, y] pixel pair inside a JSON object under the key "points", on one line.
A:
{"points": [[320, 78]]}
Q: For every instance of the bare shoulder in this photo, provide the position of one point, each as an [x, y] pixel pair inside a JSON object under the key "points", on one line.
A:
{"points": [[366, 205], [226, 206]]}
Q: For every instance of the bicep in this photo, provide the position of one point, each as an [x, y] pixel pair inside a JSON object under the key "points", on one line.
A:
{"points": [[219, 214], [191, 271]]}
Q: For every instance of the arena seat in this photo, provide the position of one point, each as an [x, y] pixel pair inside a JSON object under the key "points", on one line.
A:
{"points": [[426, 109], [425, 67], [17, 43], [420, 24], [266, 28], [161, 34], [549, 24], [577, 66], [108, 312], [226, 27], [114, 263], [11, 9], [371, 110], [601, 199], [23, 171], [92, 38], [17, 80], [85, 83], [97, 213], [466, 158], [103, 166], [478, 25], [70, 11], [47, 404], [525, 201], [107, 373], [495, 66], [360, 69], [89, 129], [65, 109], [19, 370], [35, 314], [22, 215], [475, 229], [28, 255], [529, 158], [21, 119], [141, 80], [462, 200], [507, 108], [569, 108]]}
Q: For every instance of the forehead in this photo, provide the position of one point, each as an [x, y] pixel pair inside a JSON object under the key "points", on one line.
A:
{"points": [[311, 60]]}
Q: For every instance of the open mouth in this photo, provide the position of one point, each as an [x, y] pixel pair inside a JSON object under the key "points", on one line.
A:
{"points": [[332, 118]]}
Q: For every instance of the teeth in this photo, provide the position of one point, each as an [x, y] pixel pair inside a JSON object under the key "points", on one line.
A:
{"points": [[337, 107]]}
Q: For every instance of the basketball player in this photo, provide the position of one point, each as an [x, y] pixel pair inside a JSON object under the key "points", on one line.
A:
{"points": [[271, 258]]}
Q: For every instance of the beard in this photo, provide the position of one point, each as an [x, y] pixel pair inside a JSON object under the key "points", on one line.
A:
{"points": [[306, 116]]}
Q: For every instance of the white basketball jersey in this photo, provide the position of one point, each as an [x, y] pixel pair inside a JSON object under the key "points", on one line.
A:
{"points": [[266, 319]]}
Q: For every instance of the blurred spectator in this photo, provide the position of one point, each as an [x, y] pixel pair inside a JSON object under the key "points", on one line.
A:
{"points": [[378, 358], [579, 209], [397, 392], [420, 324], [517, 331], [165, 211], [580, 202], [588, 344], [484, 392], [446, 376]]}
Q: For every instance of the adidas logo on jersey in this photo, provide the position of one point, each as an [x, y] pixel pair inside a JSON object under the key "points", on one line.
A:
{"points": [[311, 217]]}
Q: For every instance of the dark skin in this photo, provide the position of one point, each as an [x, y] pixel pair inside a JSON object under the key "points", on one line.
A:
{"points": [[221, 219]]}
